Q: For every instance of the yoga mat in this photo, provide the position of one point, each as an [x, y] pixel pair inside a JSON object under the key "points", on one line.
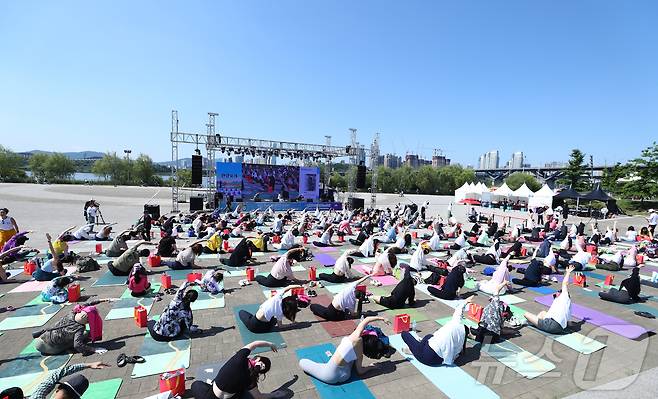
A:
{"points": [[248, 336], [207, 300], [109, 279], [634, 306], [208, 256], [510, 354], [162, 356], [451, 380], [326, 249], [541, 290], [106, 389], [365, 260], [35, 313], [33, 285], [385, 280], [29, 369], [403, 256], [334, 328], [415, 314], [326, 270], [325, 260], [574, 340], [124, 307], [335, 288], [613, 324], [352, 388]]}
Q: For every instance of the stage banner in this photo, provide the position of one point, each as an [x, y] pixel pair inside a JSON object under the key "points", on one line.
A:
{"points": [[309, 182], [229, 178]]}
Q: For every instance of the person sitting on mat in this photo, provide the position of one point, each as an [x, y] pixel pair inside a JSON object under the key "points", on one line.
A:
{"points": [[51, 268], [369, 247], [239, 376], [138, 281], [177, 317], [442, 347], [261, 241], [536, 269], [460, 242], [270, 314], [435, 241], [282, 274], [385, 263], [401, 245], [241, 255], [418, 260], [501, 274], [580, 259], [288, 240], [124, 263], [493, 319], [213, 281], [403, 292], [214, 243], [555, 320], [185, 258], [70, 332], [56, 291], [630, 260], [167, 247], [483, 240], [612, 262], [103, 234], [631, 293], [349, 355], [515, 249], [344, 304], [118, 245], [342, 270], [453, 283], [491, 257], [71, 388], [325, 239], [4, 275]]}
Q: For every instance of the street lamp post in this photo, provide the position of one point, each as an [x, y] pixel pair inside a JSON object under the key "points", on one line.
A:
{"points": [[127, 152]]}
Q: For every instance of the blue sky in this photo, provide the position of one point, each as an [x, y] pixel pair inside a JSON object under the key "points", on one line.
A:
{"points": [[465, 76]]}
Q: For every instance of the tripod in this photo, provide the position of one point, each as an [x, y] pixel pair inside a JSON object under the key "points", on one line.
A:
{"points": [[100, 217]]}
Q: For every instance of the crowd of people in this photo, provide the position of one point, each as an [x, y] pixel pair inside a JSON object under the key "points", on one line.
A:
{"points": [[381, 234]]}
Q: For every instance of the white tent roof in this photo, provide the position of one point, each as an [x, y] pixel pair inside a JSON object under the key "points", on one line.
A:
{"points": [[460, 193], [545, 191], [503, 191], [483, 187], [523, 192], [543, 197]]}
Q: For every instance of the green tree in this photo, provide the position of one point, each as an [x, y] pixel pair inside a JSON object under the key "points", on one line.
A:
{"points": [[610, 181], [11, 165], [184, 177], [143, 171], [646, 169], [59, 167], [426, 179], [111, 168], [337, 181], [575, 172], [516, 180], [38, 164]]}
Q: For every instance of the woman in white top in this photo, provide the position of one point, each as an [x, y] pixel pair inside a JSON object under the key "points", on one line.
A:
{"points": [[325, 239], [491, 257], [401, 244], [555, 320], [344, 304], [342, 270], [288, 240], [460, 242], [444, 345], [418, 260], [8, 226], [271, 313], [386, 261], [611, 262], [349, 355], [185, 258], [281, 274], [84, 233], [368, 248], [630, 259]]}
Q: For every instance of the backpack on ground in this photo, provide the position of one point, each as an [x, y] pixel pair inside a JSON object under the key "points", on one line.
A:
{"points": [[87, 264]]}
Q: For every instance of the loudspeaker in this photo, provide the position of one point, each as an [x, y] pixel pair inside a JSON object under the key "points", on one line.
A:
{"points": [[361, 176], [196, 204], [356, 203], [153, 210], [197, 170]]}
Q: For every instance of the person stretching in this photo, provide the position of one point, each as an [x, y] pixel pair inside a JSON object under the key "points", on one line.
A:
{"points": [[343, 304], [536, 269], [349, 355], [442, 347], [494, 316], [124, 263], [185, 258], [52, 268], [138, 281], [241, 255], [403, 292], [325, 239], [342, 270], [282, 274], [270, 314], [177, 317], [491, 257], [239, 376], [555, 320], [501, 274], [453, 283], [631, 293], [386, 261]]}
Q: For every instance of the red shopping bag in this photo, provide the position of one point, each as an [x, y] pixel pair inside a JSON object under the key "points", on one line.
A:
{"points": [[639, 259], [154, 260], [74, 292], [165, 279], [609, 279], [311, 273], [29, 267], [401, 323], [475, 312], [173, 381], [250, 274], [140, 315], [192, 277], [99, 248]]}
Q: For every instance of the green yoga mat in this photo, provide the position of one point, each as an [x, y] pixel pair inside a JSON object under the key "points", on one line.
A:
{"points": [[510, 354], [248, 336], [415, 314], [574, 340], [334, 288], [106, 389], [35, 313], [365, 260], [108, 279], [207, 300], [162, 356], [29, 369], [123, 308]]}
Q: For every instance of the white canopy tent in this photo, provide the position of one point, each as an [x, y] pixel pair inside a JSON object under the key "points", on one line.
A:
{"points": [[523, 192], [543, 197], [503, 191], [460, 193]]}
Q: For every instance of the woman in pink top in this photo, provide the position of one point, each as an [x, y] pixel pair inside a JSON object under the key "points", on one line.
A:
{"points": [[138, 282]]}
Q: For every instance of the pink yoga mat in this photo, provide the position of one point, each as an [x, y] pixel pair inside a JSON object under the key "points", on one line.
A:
{"points": [[610, 323], [385, 280], [33, 285]]}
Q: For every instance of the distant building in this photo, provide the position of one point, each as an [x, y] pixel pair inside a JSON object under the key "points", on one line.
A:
{"points": [[439, 161], [489, 160], [555, 164], [517, 160], [392, 161]]}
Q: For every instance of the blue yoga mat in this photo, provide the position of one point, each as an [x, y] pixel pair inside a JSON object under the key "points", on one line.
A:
{"points": [[324, 259], [542, 290], [109, 279], [352, 388], [248, 336]]}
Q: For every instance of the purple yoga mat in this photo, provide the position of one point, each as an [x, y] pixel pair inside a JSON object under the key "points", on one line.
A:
{"points": [[325, 260], [385, 280], [617, 326], [650, 268]]}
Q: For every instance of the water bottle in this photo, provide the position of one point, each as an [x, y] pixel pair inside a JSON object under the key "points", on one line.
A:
{"points": [[413, 325]]}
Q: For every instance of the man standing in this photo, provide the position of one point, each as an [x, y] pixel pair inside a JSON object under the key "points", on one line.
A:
{"points": [[653, 221], [146, 226]]}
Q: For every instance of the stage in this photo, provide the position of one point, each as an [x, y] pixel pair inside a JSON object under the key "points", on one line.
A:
{"points": [[296, 206]]}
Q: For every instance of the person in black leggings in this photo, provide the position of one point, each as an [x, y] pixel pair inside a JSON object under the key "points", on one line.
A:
{"points": [[271, 313], [489, 258], [454, 282], [403, 292], [630, 295], [241, 255], [343, 304], [515, 248], [532, 274]]}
